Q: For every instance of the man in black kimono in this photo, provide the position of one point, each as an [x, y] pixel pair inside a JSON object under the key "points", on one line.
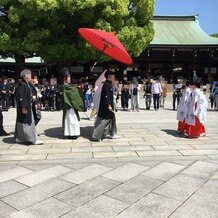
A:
{"points": [[105, 124], [25, 130]]}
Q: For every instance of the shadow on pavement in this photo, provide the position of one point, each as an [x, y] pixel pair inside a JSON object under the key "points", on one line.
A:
{"points": [[86, 132], [173, 132], [9, 140], [55, 133]]}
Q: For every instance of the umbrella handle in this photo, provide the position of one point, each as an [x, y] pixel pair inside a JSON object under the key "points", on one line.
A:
{"points": [[94, 65]]}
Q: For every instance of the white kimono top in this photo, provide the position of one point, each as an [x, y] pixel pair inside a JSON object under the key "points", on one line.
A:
{"points": [[181, 112], [196, 107]]}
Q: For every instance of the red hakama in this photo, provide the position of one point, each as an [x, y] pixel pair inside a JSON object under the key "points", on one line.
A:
{"points": [[182, 126], [196, 131]]}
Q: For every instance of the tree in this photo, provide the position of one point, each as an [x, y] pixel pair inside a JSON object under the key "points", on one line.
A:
{"points": [[215, 35], [48, 28]]}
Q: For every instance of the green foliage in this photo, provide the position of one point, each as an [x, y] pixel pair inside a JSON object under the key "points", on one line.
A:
{"points": [[48, 28], [215, 35]]}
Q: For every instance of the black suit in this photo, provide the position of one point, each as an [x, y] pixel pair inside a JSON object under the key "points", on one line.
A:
{"points": [[106, 100], [106, 120], [24, 100]]}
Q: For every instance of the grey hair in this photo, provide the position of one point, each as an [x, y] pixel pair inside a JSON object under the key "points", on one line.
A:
{"points": [[25, 72]]}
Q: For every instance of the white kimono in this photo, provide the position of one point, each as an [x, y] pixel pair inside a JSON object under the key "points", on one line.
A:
{"points": [[202, 106], [71, 124], [182, 104], [196, 107], [97, 96]]}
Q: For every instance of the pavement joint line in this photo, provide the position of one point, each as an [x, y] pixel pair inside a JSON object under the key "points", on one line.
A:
{"points": [[21, 183], [9, 205], [181, 153], [193, 147], [46, 156], [191, 194], [137, 153], [210, 157], [27, 151]]}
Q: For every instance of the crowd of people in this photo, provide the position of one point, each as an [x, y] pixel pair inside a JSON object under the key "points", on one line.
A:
{"points": [[30, 97]]}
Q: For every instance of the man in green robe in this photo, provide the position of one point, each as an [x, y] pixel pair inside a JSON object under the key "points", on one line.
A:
{"points": [[73, 103]]}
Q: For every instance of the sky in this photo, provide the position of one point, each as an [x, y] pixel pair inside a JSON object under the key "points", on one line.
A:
{"points": [[207, 10]]}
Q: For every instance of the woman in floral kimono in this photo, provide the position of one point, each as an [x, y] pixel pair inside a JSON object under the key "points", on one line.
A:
{"points": [[196, 113]]}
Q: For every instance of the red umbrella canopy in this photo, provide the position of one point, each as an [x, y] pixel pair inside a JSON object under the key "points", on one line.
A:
{"points": [[107, 43]]}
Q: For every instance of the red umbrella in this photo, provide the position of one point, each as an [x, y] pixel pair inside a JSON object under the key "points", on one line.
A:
{"points": [[107, 43]]}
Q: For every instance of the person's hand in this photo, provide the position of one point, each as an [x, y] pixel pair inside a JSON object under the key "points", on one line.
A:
{"points": [[110, 108], [24, 111]]}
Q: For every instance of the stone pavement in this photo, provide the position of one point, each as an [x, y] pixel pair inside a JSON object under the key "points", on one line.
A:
{"points": [[150, 172]]}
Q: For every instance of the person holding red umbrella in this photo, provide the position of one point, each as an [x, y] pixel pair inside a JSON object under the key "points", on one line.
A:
{"points": [[105, 124], [107, 43]]}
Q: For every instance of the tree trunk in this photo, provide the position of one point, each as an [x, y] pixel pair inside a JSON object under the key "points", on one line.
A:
{"points": [[20, 64]]}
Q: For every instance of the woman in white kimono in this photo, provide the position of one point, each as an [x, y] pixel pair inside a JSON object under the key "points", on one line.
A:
{"points": [[196, 113], [182, 125]]}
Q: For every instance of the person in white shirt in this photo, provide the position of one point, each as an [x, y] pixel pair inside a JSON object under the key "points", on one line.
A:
{"points": [[156, 90]]}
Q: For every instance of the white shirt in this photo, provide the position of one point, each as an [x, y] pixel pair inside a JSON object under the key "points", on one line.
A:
{"points": [[156, 88]]}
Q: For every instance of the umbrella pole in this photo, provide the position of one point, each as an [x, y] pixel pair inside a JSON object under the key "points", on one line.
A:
{"points": [[94, 65]]}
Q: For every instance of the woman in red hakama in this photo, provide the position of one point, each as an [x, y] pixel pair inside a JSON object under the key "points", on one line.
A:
{"points": [[182, 126], [181, 112], [196, 113], [198, 130]]}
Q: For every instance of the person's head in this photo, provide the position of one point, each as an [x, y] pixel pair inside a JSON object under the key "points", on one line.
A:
{"points": [[67, 79], [194, 85], [198, 85], [187, 84], [157, 79], [110, 76], [26, 75], [5, 80]]}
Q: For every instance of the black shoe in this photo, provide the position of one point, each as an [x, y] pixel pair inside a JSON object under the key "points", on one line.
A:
{"points": [[95, 140], [4, 133], [72, 137]]}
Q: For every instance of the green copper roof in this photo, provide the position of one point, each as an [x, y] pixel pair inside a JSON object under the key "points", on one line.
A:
{"points": [[180, 31]]}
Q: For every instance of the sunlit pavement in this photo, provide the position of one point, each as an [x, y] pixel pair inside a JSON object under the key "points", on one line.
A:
{"points": [[151, 171]]}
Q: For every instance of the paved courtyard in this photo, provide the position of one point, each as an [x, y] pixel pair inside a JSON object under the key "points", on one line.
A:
{"points": [[150, 172]]}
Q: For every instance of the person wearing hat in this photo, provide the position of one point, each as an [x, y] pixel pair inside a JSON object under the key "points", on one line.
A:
{"points": [[105, 124], [25, 129]]}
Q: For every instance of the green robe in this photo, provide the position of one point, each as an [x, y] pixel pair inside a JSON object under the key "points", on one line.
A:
{"points": [[72, 98]]}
